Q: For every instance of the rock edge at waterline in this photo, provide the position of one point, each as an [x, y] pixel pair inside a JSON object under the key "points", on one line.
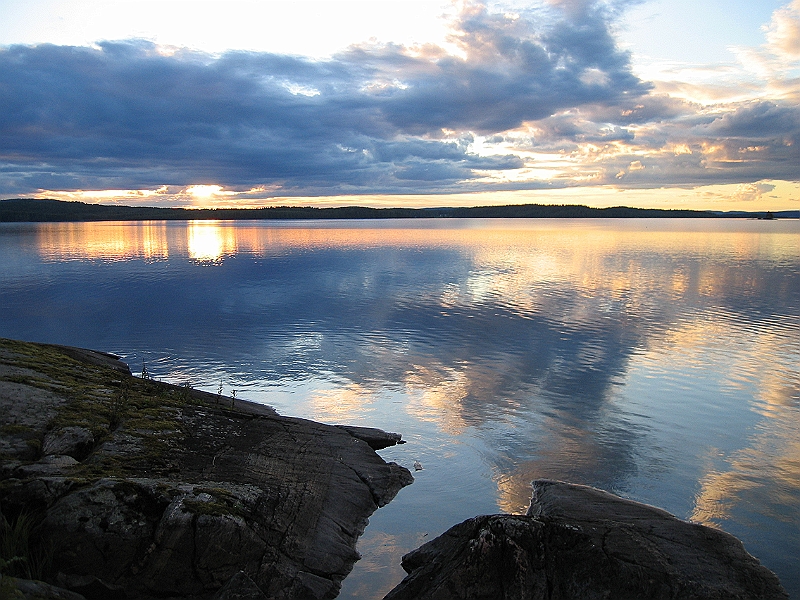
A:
{"points": [[581, 542], [132, 488]]}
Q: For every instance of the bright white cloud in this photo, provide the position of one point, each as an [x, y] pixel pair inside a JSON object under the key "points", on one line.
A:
{"points": [[783, 32]]}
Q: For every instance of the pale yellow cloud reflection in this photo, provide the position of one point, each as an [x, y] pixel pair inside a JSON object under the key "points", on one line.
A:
{"points": [[379, 569], [564, 451], [521, 267], [763, 471], [763, 475], [349, 403], [519, 270], [436, 394]]}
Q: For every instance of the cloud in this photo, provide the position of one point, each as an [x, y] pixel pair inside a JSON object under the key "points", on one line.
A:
{"points": [[775, 65], [752, 192], [510, 73], [760, 120], [373, 118], [377, 118], [783, 32]]}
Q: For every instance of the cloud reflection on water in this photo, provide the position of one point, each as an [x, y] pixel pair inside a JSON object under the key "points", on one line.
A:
{"points": [[653, 358]]}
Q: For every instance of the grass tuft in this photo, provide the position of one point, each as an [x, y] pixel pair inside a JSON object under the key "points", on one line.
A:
{"points": [[22, 554]]}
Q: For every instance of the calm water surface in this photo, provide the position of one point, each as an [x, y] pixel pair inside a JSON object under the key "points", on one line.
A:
{"points": [[657, 359]]}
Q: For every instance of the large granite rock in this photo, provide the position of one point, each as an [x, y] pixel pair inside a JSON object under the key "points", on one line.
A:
{"points": [[580, 542], [140, 489]]}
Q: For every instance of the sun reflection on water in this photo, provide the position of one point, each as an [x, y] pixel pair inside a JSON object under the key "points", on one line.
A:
{"points": [[659, 360], [207, 242]]}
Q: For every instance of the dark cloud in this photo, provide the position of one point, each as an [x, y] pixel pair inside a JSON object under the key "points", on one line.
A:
{"points": [[371, 119], [749, 142], [657, 141], [376, 118], [513, 73], [654, 108], [569, 130], [760, 122], [431, 171]]}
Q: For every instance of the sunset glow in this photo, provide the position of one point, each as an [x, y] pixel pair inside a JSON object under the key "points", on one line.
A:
{"points": [[423, 103]]}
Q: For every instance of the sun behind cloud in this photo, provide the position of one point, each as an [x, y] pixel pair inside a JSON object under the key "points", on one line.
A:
{"points": [[523, 103]]}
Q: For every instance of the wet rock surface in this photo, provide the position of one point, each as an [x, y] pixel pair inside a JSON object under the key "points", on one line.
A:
{"points": [[140, 489], [580, 542]]}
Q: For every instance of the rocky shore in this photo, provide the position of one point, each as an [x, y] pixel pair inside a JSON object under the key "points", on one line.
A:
{"points": [[581, 542], [114, 486]]}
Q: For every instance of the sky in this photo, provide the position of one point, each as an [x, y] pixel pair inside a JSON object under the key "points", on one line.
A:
{"points": [[650, 103]]}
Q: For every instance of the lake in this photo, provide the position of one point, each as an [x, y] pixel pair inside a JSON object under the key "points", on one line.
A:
{"points": [[657, 359]]}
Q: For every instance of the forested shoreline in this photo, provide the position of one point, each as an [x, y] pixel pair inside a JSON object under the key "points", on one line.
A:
{"points": [[34, 210]]}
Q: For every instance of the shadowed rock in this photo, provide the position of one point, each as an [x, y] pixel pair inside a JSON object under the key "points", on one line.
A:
{"points": [[240, 587], [580, 542], [376, 438], [76, 442], [36, 590], [143, 490]]}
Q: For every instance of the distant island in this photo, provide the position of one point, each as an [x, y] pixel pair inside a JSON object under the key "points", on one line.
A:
{"points": [[33, 210]]}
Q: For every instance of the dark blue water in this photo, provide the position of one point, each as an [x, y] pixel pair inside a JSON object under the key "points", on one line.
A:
{"points": [[657, 359]]}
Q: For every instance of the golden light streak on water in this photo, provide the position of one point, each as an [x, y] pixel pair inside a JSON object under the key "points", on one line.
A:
{"points": [[512, 241], [104, 240]]}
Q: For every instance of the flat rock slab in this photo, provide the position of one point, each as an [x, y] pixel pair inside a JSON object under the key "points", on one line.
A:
{"points": [[145, 490], [580, 542]]}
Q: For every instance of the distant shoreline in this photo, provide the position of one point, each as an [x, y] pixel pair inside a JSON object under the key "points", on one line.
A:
{"points": [[19, 210]]}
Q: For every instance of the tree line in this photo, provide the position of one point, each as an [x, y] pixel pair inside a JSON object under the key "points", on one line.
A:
{"points": [[34, 210]]}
